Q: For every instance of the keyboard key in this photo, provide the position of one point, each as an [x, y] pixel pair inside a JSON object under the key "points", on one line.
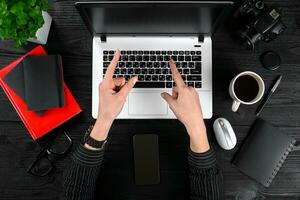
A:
{"points": [[150, 85], [186, 52], [128, 64], [194, 78], [134, 52], [169, 52], [105, 58], [157, 71], [111, 52], [186, 71], [196, 58], [121, 64], [169, 77], [175, 52], [130, 71], [191, 64], [135, 64], [139, 58], [132, 58], [158, 52], [104, 71], [149, 64], [165, 71], [195, 71], [114, 76], [137, 71], [174, 58], [164, 53], [140, 52], [198, 85], [156, 65], [105, 52], [105, 64], [169, 85], [180, 71], [180, 58], [152, 58], [183, 77], [123, 52], [187, 58], [198, 65], [163, 65], [155, 78], [191, 84], [129, 52], [110, 58], [161, 78], [152, 52], [193, 52], [166, 58], [160, 58], [117, 71], [198, 52], [150, 71], [123, 71], [142, 65], [144, 71], [184, 64], [148, 78], [181, 52], [146, 52], [146, 58], [141, 77]]}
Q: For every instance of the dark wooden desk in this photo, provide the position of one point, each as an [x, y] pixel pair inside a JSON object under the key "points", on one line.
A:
{"points": [[70, 38]]}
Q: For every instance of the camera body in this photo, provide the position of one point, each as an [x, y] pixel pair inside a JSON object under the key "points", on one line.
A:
{"points": [[257, 22]]}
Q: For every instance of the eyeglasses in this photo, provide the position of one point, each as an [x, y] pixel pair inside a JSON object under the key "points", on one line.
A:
{"points": [[43, 164]]}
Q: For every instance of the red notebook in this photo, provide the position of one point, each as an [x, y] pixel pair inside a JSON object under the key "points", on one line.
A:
{"points": [[35, 124]]}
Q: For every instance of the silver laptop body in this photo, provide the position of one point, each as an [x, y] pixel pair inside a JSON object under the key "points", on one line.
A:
{"points": [[141, 35]]}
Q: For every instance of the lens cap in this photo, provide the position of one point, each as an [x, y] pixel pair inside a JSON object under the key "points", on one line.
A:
{"points": [[270, 60]]}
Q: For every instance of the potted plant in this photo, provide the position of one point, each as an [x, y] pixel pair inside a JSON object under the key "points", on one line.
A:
{"points": [[24, 20]]}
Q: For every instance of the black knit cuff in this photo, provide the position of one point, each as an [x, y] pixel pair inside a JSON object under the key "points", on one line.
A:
{"points": [[202, 160], [88, 157]]}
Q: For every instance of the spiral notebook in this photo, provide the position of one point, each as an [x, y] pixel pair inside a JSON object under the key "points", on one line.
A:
{"points": [[263, 152]]}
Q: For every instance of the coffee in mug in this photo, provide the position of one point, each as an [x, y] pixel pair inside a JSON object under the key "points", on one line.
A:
{"points": [[246, 88]]}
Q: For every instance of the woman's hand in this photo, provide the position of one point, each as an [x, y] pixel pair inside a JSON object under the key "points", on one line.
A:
{"points": [[112, 96], [185, 104]]}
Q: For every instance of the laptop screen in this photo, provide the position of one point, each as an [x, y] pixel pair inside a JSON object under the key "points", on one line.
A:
{"points": [[152, 17]]}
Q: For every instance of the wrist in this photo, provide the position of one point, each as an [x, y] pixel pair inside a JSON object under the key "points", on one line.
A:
{"points": [[198, 137], [101, 129]]}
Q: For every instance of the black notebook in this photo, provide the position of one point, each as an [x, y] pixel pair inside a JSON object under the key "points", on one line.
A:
{"points": [[263, 152], [38, 80]]}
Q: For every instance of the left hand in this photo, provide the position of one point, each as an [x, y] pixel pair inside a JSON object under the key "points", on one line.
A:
{"points": [[112, 96]]}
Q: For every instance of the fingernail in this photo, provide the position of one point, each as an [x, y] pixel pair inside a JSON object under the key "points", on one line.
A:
{"points": [[162, 95]]}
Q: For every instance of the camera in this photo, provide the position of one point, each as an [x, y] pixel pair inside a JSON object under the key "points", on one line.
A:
{"points": [[257, 22]]}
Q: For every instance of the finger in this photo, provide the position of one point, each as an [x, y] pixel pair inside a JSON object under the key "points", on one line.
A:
{"points": [[112, 66], [176, 75], [119, 81], [168, 98], [175, 92], [128, 86]]}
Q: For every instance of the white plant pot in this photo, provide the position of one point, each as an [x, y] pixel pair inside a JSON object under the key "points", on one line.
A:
{"points": [[43, 32]]}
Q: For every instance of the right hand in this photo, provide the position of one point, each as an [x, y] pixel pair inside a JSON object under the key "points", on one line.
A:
{"points": [[185, 104]]}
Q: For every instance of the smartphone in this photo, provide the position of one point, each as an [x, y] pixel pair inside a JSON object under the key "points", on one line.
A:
{"points": [[146, 159]]}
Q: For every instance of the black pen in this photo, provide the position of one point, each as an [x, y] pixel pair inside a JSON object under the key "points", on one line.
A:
{"points": [[266, 100]]}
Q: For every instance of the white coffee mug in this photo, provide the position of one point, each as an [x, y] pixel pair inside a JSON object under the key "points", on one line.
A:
{"points": [[237, 101]]}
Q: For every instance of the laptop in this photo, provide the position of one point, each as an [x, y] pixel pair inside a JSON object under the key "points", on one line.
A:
{"points": [[148, 34]]}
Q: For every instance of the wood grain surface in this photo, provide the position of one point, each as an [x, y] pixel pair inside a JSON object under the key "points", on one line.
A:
{"points": [[70, 38]]}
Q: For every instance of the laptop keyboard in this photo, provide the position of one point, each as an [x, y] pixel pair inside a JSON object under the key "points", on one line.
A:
{"points": [[152, 68]]}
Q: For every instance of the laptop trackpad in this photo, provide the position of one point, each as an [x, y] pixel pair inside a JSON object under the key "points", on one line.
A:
{"points": [[147, 104]]}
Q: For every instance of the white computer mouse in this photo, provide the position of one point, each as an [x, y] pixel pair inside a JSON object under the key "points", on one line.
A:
{"points": [[224, 133]]}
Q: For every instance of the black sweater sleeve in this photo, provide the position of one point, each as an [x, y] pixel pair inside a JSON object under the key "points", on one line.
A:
{"points": [[205, 176], [82, 173], [83, 170]]}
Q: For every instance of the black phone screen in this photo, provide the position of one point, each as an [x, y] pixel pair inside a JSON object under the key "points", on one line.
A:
{"points": [[146, 159]]}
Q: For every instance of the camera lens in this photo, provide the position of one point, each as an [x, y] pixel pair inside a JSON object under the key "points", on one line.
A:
{"points": [[259, 5]]}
